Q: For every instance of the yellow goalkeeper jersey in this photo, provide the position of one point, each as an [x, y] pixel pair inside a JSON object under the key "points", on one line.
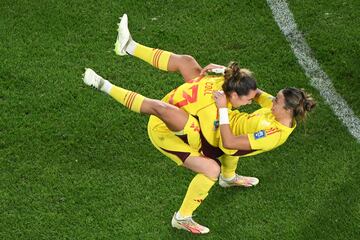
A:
{"points": [[264, 132], [196, 98]]}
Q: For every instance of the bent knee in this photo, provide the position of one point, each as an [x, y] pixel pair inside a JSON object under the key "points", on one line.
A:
{"points": [[191, 62], [213, 171], [188, 59]]}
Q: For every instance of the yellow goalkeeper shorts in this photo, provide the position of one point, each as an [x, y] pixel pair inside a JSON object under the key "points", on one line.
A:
{"points": [[176, 147]]}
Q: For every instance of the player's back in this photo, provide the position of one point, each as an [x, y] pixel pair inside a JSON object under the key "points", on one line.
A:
{"points": [[196, 94], [196, 98]]}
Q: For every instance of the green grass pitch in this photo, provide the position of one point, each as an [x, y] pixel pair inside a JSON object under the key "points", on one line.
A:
{"points": [[74, 164]]}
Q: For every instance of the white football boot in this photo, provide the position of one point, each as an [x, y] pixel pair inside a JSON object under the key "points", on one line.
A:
{"points": [[238, 181], [92, 79], [188, 224], [123, 37]]}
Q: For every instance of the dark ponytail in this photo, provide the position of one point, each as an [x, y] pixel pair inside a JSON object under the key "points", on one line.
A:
{"points": [[299, 102], [239, 80]]}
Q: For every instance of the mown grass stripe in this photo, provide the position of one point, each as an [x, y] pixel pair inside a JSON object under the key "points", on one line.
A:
{"points": [[319, 78]]}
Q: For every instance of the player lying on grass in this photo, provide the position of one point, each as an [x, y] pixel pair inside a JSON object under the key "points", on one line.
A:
{"points": [[164, 138]]}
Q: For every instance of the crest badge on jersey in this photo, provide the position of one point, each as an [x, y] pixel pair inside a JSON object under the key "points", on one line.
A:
{"points": [[216, 125], [259, 134]]}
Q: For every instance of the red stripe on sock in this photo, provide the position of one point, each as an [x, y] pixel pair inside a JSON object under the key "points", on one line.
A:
{"points": [[132, 101], [154, 57], [158, 58], [128, 100]]}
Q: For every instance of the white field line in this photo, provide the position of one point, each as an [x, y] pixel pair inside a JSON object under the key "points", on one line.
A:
{"points": [[319, 79]]}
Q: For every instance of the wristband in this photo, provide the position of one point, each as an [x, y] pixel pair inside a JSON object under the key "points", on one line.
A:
{"points": [[223, 116]]}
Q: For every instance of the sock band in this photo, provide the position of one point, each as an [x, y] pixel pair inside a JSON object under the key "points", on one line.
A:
{"points": [[156, 57], [130, 99]]}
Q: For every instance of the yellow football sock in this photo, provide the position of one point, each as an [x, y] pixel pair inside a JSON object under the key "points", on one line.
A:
{"points": [[196, 193], [129, 99], [156, 57], [228, 166]]}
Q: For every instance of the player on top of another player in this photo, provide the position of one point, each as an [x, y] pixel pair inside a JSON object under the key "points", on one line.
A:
{"points": [[176, 134], [275, 129], [173, 146], [195, 97], [290, 103], [182, 146]]}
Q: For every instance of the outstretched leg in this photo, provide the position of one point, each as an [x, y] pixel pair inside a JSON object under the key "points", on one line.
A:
{"points": [[164, 60], [176, 120], [174, 117]]}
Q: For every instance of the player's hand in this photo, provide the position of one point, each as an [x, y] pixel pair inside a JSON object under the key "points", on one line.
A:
{"points": [[220, 99], [210, 68]]}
